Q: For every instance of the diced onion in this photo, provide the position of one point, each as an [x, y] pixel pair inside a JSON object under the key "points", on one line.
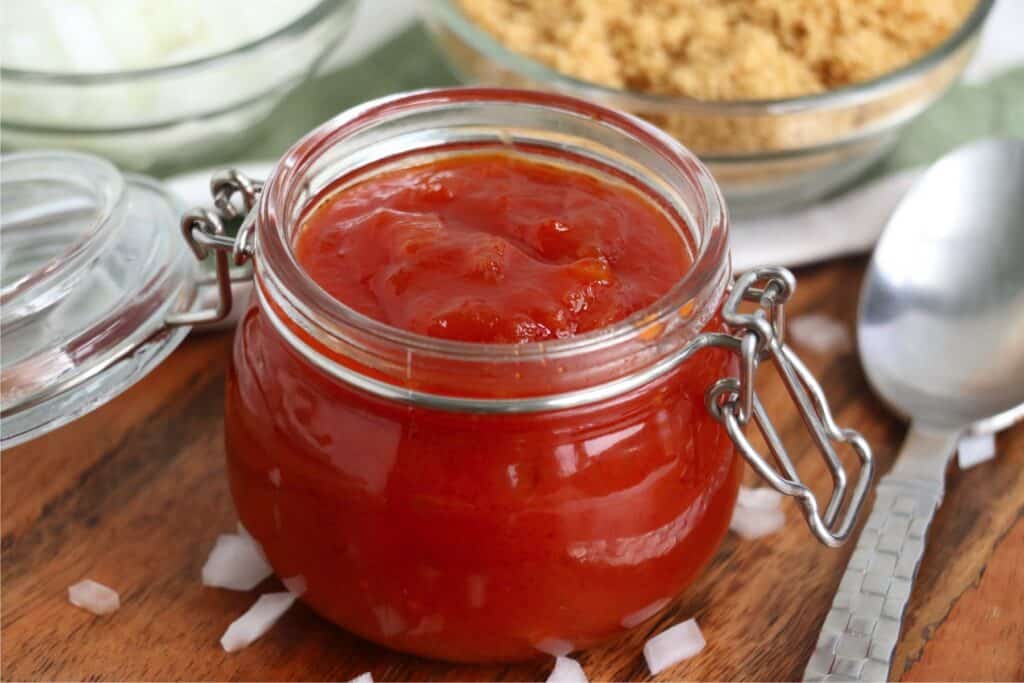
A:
{"points": [[236, 562], [264, 613], [645, 613], [679, 643], [567, 670], [556, 647], [759, 499], [242, 531], [94, 597], [477, 586], [751, 523], [820, 334], [363, 678], [976, 449]]}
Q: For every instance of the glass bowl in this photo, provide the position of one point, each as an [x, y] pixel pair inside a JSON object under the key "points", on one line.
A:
{"points": [[163, 119], [767, 155]]}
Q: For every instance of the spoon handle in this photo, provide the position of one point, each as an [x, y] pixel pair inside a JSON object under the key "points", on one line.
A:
{"points": [[863, 625]]}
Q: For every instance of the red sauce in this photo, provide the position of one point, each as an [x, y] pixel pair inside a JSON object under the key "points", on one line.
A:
{"points": [[492, 248], [481, 537]]}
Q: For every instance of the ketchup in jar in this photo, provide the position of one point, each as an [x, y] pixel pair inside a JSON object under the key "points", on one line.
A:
{"points": [[467, 403]]}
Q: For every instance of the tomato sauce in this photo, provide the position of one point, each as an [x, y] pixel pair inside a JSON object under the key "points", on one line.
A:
{"points": [[492, 248], [482, 537]]}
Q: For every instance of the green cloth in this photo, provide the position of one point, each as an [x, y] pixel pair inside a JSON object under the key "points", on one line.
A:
{"points": [[410, 61], [967, 112]]}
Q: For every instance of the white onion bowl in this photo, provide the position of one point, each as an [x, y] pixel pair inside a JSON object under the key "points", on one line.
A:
{"points": [[165, 118]]}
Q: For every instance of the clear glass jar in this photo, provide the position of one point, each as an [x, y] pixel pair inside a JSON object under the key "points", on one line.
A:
{"points": [[485, 501]]}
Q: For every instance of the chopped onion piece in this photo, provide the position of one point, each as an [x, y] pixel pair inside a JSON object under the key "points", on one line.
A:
{"points": [[976, 449], [254, 623], [363, 678], [751, 523], [389, 620], [477, 591], [759, 499], [556, 647], [295, 584], [236, 562], [679, 643], [645, 613], [94, 597], [242, 531], [567, 670], [820, 334]]}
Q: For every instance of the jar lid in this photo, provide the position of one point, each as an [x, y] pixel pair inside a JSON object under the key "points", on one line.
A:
{"points": [[92, 264]]}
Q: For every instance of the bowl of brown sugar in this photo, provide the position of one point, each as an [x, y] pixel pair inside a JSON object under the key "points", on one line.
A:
{"points": [[786, 101]]}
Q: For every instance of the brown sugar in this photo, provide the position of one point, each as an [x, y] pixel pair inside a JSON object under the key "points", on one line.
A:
{"points": [[721, 50]]}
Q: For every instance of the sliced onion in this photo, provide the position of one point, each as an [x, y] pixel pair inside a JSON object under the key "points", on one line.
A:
{"points": [[363, 678], [567, 670], [677, 644], [759, 499], [236, 562], [820, 334], [751, 523], [94, 597], [264, 613], [556, 647], [976, 449]]}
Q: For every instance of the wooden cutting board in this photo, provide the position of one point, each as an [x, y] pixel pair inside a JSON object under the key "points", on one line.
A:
{"points": [[134, 495]]}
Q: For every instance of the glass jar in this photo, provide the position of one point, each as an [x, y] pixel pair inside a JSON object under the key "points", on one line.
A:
{"points": [[456, 500], [486, 501]]}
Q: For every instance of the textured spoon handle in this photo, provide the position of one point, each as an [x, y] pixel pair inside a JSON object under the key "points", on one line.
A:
{"points": [[861, 629]]}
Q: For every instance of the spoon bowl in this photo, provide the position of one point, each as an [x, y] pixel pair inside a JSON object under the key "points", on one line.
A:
{"points": [[941, 329]]}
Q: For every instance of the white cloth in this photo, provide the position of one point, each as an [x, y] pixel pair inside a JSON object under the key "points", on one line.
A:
{"points": [[847, 224]]}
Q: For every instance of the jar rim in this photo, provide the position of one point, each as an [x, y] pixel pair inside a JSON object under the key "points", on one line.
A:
{"points": [[275, 252]]}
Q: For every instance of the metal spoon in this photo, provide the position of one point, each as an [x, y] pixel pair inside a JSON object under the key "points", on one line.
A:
{"points": [[941, 337]]}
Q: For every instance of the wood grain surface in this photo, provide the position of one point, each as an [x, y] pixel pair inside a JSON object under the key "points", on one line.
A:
{"points": [[134, 495]]}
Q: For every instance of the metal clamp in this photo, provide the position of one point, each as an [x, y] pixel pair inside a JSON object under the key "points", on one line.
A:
{"points": [[204, 231], [733, 402]]}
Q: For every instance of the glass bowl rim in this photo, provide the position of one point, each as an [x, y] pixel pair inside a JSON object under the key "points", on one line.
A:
{"points": [[298, 25], [494, 50]]}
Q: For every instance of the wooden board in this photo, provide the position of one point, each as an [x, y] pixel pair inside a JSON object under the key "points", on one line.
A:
{"points": [[134, 495]]}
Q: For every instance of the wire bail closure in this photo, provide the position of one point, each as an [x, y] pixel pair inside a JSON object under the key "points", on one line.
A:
{"points": [[755, 337], [734, 402], [203, 230]]}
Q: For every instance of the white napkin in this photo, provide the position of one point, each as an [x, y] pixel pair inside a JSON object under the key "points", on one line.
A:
{"points": [[847, 224]]}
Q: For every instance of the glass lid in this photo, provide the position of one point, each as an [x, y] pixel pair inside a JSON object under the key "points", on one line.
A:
{"points": [[91, 263]]}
